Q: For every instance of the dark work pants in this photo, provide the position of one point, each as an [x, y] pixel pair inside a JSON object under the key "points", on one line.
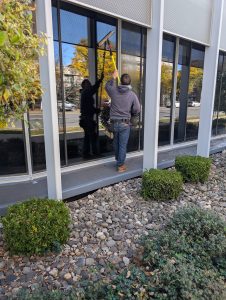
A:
{"points": [[90, 138]]}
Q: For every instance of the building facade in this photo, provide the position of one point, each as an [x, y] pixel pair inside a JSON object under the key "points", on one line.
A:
{"points": [[175, 52]]}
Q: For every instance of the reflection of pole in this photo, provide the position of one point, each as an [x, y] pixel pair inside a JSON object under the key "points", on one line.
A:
{"points": [[104, 56], [112, 57]]}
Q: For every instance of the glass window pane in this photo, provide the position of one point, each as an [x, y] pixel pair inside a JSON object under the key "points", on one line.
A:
{"points": [[132, 66], [131, 39], [184, 53], [168, 49], [102, 30], [12, 149], [194, 98], [37, 136], [165, 103], [55, 23], [217, 93], [197, 57], [221, 123], [59, 102], [74, 28]]}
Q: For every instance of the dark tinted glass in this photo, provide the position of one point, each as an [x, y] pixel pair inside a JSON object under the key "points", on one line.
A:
{"points": [[74, 28], [131, 39], [218, 122], [168, 49], [55, 27], [184, 52], [12, 149], [197, 56]]}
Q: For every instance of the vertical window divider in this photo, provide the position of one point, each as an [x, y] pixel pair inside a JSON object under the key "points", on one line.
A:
{"points": [[220, 93], [174, 92], [27, 144], [62, 81], [119, 37]]}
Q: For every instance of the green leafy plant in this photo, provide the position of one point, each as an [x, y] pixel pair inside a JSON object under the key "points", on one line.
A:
{"points": [[188, 257], [36, 226], [161, 184], [19, 50], [193, 168]]}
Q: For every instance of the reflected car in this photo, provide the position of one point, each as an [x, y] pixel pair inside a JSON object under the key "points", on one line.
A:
{"points": [[193, 103], [68, 106], [177, 104]]}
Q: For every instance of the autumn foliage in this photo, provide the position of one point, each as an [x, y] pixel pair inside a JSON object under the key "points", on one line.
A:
{"points": [[19, 50]]}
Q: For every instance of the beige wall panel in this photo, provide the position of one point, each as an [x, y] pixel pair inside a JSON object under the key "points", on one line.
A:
{"points": [[138, 11], [189, 18]]}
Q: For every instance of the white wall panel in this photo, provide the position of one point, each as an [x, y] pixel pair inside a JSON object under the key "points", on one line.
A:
{"points": [[189, 18], [223, 30], [138, 11]]}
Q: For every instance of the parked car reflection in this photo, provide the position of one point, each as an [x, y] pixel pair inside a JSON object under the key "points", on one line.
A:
{"points": [[68, 106]]}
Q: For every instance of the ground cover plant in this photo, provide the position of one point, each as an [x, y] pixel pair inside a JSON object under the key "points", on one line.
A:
{"points": [[36, 226]]}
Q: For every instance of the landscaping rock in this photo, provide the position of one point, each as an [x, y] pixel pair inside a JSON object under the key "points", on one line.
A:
{"points": [[106, 230]]}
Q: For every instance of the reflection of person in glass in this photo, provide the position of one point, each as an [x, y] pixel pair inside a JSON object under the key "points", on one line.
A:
{"points": [[88, 111], [124, 104]]}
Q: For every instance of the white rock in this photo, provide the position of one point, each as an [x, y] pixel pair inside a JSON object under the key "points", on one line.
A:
{"points": [[54, 272], [126, 260]]}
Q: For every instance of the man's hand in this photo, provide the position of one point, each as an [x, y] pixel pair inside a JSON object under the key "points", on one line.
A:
{"points": [[115, 74]]}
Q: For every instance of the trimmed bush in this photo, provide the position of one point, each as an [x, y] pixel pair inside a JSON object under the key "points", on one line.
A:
{"points": [[161, 184], [193, 168], [36, 226]]}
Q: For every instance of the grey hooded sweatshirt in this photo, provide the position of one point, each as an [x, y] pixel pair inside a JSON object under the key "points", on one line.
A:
{"points": [[124, 101]]}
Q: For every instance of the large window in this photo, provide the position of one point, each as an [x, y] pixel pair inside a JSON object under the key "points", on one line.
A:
{"points": [[181, 85], [219, 115], [133, 62], [78, 55], [12, 148]]}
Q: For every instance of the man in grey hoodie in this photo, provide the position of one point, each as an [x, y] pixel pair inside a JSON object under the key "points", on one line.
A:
{"points": [[124, 103]]}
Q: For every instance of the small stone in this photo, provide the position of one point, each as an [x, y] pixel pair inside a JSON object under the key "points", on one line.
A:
{"points": [[85, 239], [54, 272], [101, 235], [90, 262], [99, 215], [81, 262], [67, 276], [2, 265], [126, 261], [15, 291], [26, 270], [111, 243]]}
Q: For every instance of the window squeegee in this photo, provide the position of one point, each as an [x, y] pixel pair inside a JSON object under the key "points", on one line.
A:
{"points": [[106, 42]]}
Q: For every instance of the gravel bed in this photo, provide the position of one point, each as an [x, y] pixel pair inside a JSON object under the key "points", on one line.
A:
{"points": [[106, 229]]}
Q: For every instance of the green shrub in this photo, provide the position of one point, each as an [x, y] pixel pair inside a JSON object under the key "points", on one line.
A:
{"points": [[185, 281], [188, 257], [36, 226], [161, 184], [193, 168], [197, 223]]}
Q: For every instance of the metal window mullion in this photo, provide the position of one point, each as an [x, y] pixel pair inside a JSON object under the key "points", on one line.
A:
{"points": [[27, 144], [174, 93], [220, 94], [119, 41], [62, 83]]}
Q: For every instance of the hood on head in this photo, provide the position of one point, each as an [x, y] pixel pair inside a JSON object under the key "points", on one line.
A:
{"points": [[124, 88]]}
